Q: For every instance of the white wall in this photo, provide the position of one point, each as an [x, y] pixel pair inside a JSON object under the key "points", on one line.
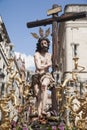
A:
{"points": [[75, 32]]}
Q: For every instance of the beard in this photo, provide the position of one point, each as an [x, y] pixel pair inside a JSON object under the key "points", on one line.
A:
{"points": [[44, 49]]}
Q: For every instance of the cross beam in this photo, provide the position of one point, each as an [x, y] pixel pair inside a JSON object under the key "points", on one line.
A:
{"points": [[62, 18]]}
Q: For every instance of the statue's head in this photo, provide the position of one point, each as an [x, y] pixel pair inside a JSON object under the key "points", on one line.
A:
{"points": [[43, 42]]}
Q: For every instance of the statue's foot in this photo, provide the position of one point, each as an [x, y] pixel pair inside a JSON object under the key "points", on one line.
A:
{"points": [[42, 120], [44, 113]]}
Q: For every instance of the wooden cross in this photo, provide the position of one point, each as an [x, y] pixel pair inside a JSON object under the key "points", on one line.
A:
{"points": [[55, 45]]}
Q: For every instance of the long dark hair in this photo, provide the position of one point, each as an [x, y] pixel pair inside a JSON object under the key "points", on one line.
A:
{"points": [[38, 47]]}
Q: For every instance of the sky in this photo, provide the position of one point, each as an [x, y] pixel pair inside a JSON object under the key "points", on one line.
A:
{"points": [[17, 13]]}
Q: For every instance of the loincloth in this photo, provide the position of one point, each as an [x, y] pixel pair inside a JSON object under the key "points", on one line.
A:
{"points": [[47, 75], [38, 78]]}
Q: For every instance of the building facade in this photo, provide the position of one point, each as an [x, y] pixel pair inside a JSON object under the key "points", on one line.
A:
{"points": [[73, 41], [8, 71]]}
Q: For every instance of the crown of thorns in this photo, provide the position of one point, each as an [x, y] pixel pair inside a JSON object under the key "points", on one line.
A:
{"points": [[42, 34]]}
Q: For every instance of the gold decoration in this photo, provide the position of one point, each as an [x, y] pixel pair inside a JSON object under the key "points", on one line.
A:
{"points": [[47, 32], [41, 33], [35, 35]]}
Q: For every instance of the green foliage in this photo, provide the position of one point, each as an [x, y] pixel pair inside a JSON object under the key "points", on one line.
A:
{"points": [[18, 128], [67, 128], [30, 128], [49, 128]]}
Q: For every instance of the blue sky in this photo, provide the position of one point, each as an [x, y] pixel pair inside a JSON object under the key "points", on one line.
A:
{"points": [[16, 13]]}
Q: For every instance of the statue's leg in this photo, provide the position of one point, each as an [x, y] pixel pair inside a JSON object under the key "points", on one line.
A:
{"points": [[44, 94], [36, 89], [37, 93]]}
